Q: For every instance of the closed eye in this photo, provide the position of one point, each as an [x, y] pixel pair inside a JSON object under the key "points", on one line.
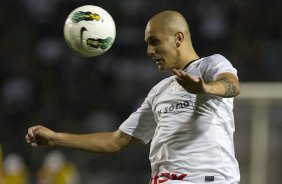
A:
{"points": [[153, 41]]}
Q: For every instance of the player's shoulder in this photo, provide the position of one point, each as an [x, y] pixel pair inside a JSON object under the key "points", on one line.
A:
{"points": [[215, 58], [156, 88]]}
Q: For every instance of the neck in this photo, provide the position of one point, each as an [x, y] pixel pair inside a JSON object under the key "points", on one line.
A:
{"points": [[188, 60], [187, 55]]}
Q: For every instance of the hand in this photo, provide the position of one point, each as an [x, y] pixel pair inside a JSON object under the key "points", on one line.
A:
{"points": [[190, 83], [40, 135]]}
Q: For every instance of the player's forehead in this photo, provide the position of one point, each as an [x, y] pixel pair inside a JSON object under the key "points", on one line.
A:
{"points": [[152, 31]]}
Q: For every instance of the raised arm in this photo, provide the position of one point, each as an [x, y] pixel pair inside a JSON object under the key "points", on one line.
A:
{"points": [[225, 85], [106, 142]]}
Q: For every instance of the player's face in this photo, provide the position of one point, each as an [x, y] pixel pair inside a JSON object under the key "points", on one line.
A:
{"points": [[161, 47]]}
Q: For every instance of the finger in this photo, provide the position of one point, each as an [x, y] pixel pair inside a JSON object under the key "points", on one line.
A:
{"points": [[179, 74], [201, 80], [175, 71], [30, 132], [184, 76], [182, 73], [27, 138], [34, 130], [190, 77], [34, 144]]}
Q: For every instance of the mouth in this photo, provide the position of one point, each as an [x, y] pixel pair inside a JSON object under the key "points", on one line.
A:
{"points": [[157, 60]]}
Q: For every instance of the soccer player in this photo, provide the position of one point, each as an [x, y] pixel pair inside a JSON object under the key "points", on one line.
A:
{"points": [[188, 117]]}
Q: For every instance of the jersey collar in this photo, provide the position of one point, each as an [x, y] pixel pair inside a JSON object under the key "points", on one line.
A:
{"points": [[188, 64]]}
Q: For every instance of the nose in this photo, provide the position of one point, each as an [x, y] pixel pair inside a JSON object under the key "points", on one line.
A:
{"points": [[150, 50]]}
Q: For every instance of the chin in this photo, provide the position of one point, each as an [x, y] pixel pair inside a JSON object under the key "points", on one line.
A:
{"points": [[160, 68], [163, 67]]}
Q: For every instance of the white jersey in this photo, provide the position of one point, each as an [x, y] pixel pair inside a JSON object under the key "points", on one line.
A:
{"points": [[191, 135]]}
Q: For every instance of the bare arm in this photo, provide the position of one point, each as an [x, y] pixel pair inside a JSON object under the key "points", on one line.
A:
{"points": [[225, 85], [106, 142]]}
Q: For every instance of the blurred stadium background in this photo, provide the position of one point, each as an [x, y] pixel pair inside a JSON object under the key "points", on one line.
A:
{"points": [[42, 81]]}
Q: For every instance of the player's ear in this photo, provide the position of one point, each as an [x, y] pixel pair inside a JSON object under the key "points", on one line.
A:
{"points": [[179, 37]]}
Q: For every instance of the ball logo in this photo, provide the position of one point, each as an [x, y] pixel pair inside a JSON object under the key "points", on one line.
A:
{"points": [[99, 43], [86, 16], [81, 34]]}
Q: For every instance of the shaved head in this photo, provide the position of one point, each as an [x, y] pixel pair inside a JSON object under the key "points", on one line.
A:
{"points": [[168, 40], [170, 22]]}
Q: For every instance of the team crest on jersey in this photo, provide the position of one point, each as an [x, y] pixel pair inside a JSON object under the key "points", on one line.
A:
{"points": [[86, 16], [99, 43]]}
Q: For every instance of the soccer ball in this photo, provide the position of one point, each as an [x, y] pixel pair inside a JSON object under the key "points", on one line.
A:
{"points": [[89, 30]]}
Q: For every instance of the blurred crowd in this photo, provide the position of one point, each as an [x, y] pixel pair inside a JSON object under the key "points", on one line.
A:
{"points": [[54, 169], [43, 81]]}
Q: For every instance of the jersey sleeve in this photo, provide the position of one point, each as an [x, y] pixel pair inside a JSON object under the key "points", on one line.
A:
{"points": [[141, 123], [217, 65]]}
